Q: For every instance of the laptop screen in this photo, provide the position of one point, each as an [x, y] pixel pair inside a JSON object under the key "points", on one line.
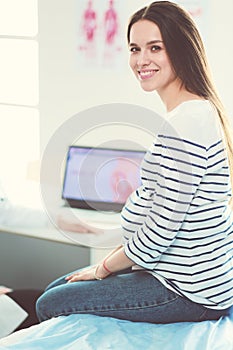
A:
{"points": [[100, 178]]}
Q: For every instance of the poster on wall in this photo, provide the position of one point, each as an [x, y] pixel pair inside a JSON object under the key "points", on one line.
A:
{"points": [[100, 36], [101, 30]]}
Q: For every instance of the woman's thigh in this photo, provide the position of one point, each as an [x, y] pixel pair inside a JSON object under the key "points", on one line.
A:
{"points": [[135, 296]]}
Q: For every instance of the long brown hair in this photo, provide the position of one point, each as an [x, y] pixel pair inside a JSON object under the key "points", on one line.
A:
{"points": [[186, 52]]}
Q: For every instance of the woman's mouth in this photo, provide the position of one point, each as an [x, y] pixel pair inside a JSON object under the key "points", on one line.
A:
{"points": [[147, 74]]}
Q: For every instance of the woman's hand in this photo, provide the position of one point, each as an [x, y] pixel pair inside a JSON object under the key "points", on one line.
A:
{"points": [[113, 262], [96, 272]]}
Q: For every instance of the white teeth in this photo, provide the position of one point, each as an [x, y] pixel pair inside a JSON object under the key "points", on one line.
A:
{"points": [[147, 73]]}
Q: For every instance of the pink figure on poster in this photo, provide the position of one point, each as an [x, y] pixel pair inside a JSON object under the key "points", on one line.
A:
{"points": [[110, 23], [89, 22]]}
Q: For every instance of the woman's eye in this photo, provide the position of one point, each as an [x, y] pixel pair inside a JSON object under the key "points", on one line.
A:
{"points": [[155, 48], [134, 49]]}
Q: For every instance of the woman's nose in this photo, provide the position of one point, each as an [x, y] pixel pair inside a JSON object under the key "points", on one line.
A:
{"points": [[143, 58]]}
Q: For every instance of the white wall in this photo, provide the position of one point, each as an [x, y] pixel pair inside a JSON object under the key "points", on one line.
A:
{"points": [[65, 90], [220, 49]]}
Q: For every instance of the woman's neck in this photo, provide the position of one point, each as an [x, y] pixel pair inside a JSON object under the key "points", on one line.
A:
{"points": [[175, 94]]}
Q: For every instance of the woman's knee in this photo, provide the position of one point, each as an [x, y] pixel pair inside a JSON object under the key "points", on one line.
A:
{"points": [[41, 308], [56, 301], [45, 305]]}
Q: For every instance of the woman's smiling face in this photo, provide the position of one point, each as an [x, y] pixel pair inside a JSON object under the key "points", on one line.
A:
{"points": [[148, 57]]}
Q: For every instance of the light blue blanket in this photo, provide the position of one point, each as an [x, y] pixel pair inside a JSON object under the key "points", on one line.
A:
{"points": [[86, 332]]}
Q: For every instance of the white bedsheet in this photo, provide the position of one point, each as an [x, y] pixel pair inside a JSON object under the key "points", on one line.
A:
{"points": [[87, 332]]}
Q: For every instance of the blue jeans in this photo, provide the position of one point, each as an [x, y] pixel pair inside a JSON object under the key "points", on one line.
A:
{"points": [[134, 296]]}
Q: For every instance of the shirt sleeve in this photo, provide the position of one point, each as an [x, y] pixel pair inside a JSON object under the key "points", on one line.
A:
{"points": [[171, 173]]}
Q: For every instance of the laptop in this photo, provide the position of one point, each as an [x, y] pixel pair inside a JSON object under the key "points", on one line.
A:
{"points": [[100, 179]]}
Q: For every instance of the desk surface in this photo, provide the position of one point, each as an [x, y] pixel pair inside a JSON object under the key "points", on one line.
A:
{"points": [[31, 223], [105, 240], [100, 244]]}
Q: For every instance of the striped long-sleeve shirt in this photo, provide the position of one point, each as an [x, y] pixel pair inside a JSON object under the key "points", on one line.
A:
{"points": [[178, 224]]}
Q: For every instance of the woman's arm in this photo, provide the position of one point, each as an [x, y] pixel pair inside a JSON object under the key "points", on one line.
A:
{"points": [[111, 253], [171, 173]]}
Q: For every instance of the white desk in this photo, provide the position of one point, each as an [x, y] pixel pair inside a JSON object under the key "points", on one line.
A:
{"points": [[50, 251], [99, 244], [33, 258]]}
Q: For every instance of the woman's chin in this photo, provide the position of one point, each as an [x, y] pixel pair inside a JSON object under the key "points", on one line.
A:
{"points": [[146, 86]]}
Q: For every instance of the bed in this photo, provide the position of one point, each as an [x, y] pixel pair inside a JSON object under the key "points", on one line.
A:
{"points": [[88, 332]]}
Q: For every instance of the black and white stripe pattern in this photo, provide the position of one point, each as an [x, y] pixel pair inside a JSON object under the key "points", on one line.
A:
{"points": [[177, 224]]}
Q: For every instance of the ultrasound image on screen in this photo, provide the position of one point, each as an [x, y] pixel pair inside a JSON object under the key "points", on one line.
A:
{"points": [[102, 175]]}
